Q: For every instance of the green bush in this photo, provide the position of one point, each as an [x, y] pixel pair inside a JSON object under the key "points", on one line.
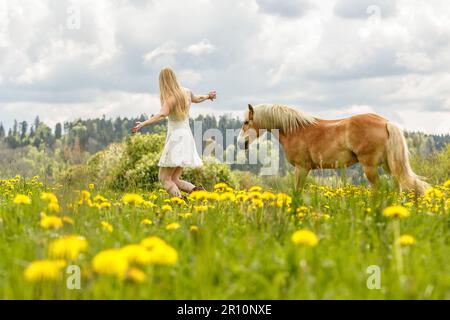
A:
{"points": [[133, 164], [212, 172]]}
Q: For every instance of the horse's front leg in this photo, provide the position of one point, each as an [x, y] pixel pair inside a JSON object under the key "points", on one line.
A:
{"points": [[300, 177]]}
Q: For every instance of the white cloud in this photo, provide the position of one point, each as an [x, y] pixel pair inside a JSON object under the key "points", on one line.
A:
{"points": [[200, 48]]}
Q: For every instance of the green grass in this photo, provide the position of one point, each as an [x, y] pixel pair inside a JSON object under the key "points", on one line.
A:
{"points": [[238, 252]]}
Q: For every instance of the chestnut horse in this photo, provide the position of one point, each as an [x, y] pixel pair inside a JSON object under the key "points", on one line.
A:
{"points": [[312, 143]]}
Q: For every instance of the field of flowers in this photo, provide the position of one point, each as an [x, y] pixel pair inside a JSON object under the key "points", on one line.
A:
{"points": [[225, 244]]}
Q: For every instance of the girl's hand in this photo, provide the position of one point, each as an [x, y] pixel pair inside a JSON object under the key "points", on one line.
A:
{"points": [[138, 126], [212, 95]]}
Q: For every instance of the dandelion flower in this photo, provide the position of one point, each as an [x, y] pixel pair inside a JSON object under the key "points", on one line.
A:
{"points": [[193, 229], [136, 275], [110, 262], [447, 184], [53, 207], [396, 212], [132, 199], [255, 189], [227, 196], [147, 222], [50, 197], [186, 215], [107, 226], [136, 254], [305, 237], [42, 270], [164, 255], [406, 240], [201, 208], [160, 251], [50, 222], [166, 208], [22, 199], [68, 247], [173, 226], [68, 220], [177, 200], [152, 242]]}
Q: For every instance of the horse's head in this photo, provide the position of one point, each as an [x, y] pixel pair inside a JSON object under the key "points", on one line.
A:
{"points": [[249, 132]]}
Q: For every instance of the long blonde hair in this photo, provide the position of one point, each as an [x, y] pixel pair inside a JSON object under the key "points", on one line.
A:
{"points": [[169, 87]]}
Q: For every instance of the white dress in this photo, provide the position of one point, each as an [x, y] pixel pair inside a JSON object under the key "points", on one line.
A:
{"points": [[179, 149]]}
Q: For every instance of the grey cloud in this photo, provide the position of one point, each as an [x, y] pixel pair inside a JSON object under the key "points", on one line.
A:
{"points": [[285, 8], [358, 9]]}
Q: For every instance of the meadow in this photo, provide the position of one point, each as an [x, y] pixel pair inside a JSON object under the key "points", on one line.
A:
{"points": [[340, 242]]}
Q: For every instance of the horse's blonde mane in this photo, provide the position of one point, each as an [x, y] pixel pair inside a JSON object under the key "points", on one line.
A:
{"points": [[284, 118]]}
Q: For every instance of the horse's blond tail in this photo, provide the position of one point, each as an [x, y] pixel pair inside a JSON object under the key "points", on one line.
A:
{"points": [[398, 161]]}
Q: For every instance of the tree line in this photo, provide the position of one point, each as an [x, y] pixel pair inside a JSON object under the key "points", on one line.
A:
{"points": [[92, 135]]}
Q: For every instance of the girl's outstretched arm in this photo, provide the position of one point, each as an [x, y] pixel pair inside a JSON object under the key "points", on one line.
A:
{"points": [[200, 98], [162, 114]]}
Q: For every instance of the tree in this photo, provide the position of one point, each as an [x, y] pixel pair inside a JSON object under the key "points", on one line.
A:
{"points": [[58, 131], [23, 130], [2, 131]]}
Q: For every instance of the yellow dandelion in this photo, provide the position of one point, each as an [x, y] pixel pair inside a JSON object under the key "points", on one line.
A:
{"points": [[68, 220], [161, 252], [152, 242], [255, 189], [50, 222], [44, 270], [164, 255], [193, 228], [100, 198], [107, 226], [91, 186], [166, 208], [199, 195], [396, 212], [173, 226], [67, 247], [103, 205], [136, 275], [406, 240], [84, 196], [227, 196], [132, 199], [177, 200], [305, 237], [220, 185], [434, 193], [147, 222], [148, 204], [136, 254], [50, 197], [201, 208], [447, 184], [257, 204], [186, 215], [53, 207], [110, 262], [22, 199]]}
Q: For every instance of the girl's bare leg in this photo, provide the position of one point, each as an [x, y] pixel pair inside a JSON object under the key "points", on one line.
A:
{"points": [[165, 177], [181, 184]]}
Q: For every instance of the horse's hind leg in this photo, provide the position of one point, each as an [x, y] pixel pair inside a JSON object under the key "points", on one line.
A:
{"points": [[371, 173], [300, 177]]}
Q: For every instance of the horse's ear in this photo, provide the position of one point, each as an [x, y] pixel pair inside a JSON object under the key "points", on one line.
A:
{"points": [[251, 112]]}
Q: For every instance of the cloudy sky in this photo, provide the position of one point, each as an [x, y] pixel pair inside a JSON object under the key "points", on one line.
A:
{"points": [[62, 59]]}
